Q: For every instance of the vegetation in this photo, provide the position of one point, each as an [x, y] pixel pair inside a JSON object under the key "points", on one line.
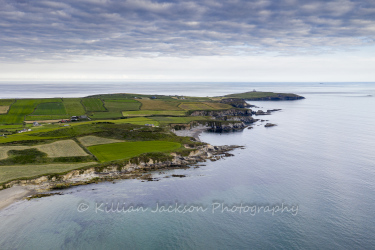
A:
{"points": [[154, 113], [121, 128], [259, 96], [21, 108], [93, 104], [4, 109], [194, 106], [159, 105], [45, 117], [52, 108], [122, 105], [73, 106], [91, 140], [8, 173], [126, 150]]}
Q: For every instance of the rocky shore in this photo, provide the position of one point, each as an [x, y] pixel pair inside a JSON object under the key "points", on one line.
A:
{"points": [[22, 188]]}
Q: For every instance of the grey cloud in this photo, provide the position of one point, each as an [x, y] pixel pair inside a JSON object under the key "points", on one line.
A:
{"points": [[67, 29]]}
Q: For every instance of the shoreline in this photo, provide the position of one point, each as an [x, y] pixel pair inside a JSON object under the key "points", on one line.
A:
{"points": [[20, 189], [13, 194]]}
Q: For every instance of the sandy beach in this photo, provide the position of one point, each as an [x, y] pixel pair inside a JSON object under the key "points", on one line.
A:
{"points": [[13, 194]]}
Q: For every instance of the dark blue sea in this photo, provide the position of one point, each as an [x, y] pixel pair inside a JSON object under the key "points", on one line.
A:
{"points": [[308, 183]]}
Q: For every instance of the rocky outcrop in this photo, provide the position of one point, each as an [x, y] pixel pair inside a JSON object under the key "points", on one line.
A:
{"points": [[269, 125]]}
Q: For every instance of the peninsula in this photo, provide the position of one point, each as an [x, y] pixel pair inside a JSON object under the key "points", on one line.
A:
{"points": [[60, 142]]}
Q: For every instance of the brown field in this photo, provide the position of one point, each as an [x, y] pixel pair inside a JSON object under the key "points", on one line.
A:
{"points": [[194, 106], [158, 105], [4, 109], [91, 140], [217, 105], [65, 148], [8, 173]]}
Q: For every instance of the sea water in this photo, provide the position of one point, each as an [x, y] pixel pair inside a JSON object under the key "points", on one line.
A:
{"points": [[307, 183]]}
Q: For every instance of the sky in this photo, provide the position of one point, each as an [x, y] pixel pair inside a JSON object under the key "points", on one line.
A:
{"points": [[182, 40]]}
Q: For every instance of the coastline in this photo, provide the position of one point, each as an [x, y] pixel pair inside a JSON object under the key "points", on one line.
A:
{"points": [[20, 189], [13, 194]]}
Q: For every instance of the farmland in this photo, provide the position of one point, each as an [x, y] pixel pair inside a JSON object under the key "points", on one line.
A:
{"points": [[73, 106], [8, 173], [52, 108], [122, 105], [93, 104], [153, 113], [21, 108], [125, 150], [158, 105], [195, 106], [4, 109], [91, 140], [115, 131]]}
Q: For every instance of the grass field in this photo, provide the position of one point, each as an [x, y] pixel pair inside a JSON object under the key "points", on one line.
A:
{"points": [[45, 117], [126, 150], [4, 109], [93, 104], [159, 105], [91, 140], [8, 173], [73, 106], [106, 115], [122, 105], [153, 112], [53, 108], [6, 102], [21, 108], [217, 105], [174, 120], [195, 106]]}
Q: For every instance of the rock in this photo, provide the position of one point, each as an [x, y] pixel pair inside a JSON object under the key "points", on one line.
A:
{"points": [[261, 112], [272, 110], [269, 125]]}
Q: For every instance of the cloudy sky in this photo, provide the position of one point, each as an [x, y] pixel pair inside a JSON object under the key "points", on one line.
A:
{"points": [[182, 40]]}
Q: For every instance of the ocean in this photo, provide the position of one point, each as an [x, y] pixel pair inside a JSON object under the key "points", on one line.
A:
{"points": [[307, 183]]}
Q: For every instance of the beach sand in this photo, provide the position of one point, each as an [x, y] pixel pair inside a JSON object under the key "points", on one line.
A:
{"points": [[13, 194]]}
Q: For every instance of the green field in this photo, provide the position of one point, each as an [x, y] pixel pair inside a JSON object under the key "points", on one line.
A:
{"points": [[21, 108], [106, 115], [175, 120], [126, 150], [93, 104], [257, 96], [122, 105], [73, 106], [52, 108], [6, 102], [45, 117], [153, 112]]}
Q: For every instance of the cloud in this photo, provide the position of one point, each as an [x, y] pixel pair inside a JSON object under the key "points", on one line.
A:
{"points": [[68, 29]]}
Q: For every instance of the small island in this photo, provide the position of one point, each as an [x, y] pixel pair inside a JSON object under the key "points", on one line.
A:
{"points": [[56, 143]]}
